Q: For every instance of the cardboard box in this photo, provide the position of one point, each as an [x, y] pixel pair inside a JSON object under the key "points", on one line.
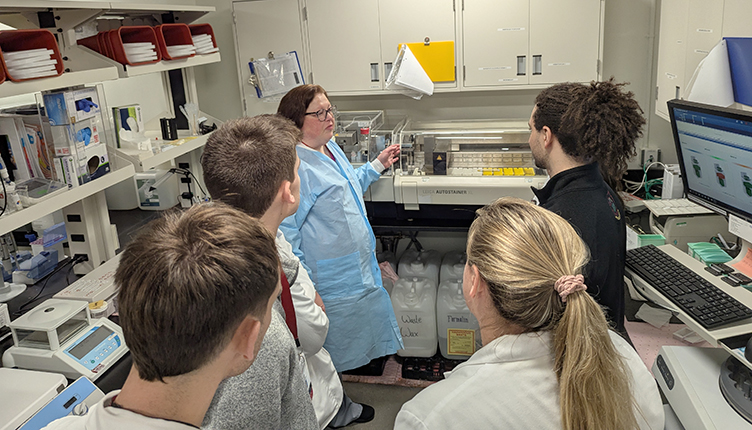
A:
{"points": [[66, 169], [121, 114], [72, 139], [97, 161], [71, 106]]}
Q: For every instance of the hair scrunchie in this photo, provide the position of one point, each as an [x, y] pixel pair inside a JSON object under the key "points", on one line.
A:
{"points": [[568, 284]]}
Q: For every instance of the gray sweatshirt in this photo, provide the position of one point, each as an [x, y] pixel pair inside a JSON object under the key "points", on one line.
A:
{"points": [[271, 394]]}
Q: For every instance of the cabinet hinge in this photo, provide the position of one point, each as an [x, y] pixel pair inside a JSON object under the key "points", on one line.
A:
{"points": [[464, 74], [656, 92], [454, 8], [598, 65], [305, 13], [234, 18], [310, 75], [245, 106]]}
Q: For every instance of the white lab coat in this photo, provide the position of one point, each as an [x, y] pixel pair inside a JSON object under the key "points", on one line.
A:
{"points": [[510, 384], [106, 417], [313, 326]]}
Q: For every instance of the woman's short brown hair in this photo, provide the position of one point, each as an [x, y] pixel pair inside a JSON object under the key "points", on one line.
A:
{"points": [[294, 104], [187, 282]]}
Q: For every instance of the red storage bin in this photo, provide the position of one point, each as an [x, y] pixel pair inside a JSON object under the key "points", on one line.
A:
{"points": [[134, 34], [102, 40], [173, 34], [91, 42], [197, 29], [22, 40]]}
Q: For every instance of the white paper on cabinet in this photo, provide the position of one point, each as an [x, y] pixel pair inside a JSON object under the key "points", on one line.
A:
{"points": [[711, 82], [408, 77]]}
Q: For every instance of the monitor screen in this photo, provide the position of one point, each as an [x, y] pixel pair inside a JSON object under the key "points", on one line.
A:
{"points": [[714, 146]]}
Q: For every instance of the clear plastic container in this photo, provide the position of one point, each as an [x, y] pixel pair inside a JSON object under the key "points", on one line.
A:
{"points": [[458, 329], [453, 266], [424, 264], [414, 302]]}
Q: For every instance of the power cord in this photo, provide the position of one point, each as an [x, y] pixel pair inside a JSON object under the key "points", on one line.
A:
{"points": [[75, 260], [187, 173], [648, 183]]}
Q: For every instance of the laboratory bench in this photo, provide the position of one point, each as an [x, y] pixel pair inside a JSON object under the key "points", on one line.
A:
{"points": [[129, 223]]}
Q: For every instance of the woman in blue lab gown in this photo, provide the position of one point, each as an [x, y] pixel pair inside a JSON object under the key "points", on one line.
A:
{"points": [[332, 237]]}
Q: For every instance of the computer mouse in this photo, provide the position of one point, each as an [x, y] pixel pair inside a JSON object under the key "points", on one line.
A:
{"points": [[748, 350]]}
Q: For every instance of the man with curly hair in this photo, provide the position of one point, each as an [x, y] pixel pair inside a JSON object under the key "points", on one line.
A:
{"points": [[584, 135]]}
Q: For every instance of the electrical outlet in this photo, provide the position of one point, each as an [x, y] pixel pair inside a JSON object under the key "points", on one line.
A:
{"points": [[649, 155]]}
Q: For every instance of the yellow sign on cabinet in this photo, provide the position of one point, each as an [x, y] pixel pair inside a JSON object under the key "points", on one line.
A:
{"points": [[436, 58]]}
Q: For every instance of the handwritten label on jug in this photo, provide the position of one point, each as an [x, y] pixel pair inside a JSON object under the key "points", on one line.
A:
{"points": [[405, 330], [460, 342]]}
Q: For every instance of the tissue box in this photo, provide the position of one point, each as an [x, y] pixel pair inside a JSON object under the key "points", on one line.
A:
{"points": [[121, 114], [69, 107]]}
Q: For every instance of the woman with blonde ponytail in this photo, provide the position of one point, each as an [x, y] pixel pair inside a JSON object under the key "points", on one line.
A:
{"points": [[549, 360]]}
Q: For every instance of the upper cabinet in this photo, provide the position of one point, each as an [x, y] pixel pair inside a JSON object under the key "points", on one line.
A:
{"points": [[345, 48], [689, 29], [262, 28], [531, 42], [416, 21], [495, 42], [353, 44], [350, 45]]}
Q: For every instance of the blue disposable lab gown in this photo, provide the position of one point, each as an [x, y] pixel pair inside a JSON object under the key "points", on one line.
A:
{"points": [[332, 237]]}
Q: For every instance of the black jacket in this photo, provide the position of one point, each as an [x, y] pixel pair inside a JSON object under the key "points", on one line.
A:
{"points": [[583, 198]]}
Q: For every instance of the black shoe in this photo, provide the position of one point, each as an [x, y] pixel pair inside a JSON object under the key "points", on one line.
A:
{"points": [[367, 414]]}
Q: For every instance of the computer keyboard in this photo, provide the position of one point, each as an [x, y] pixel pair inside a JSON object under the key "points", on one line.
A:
{"points": [[707, 304], [667, 207]]}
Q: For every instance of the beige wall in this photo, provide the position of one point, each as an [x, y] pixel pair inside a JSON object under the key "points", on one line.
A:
{"points": [[629, 41]]}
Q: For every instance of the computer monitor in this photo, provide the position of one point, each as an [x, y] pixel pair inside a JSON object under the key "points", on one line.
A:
{"points": [[714, 146]]}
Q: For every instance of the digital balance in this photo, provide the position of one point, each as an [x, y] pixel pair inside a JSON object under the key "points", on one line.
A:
{"points": [[60, 336]]}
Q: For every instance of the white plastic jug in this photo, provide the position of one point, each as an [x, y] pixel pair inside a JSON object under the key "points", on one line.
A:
{"points": [[424, 264], [453, 266], [458, 329], [414, 302]]}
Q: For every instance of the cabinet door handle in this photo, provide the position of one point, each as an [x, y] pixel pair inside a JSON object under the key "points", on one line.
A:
{"points": [[387, 70], [521, 65], [678, 92], [537, 64], [374, 72]]}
